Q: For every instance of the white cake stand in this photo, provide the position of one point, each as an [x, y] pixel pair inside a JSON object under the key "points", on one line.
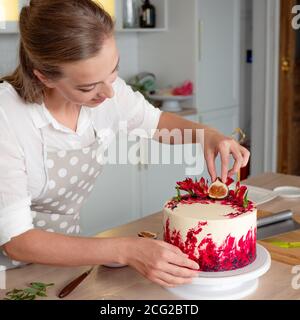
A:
{"points": [[227, 285], [170, 103]]}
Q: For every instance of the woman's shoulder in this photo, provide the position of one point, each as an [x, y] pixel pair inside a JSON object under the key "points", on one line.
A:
{"points": [[14, 112], [10, 101], [6, 89]]}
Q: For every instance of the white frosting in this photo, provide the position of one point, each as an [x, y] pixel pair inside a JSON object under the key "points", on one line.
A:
{"points": [[187, 216]]}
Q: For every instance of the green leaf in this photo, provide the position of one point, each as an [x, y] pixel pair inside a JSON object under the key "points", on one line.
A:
{"points": [[246, 201], [178, 194], [30, 293], [30, 290]]}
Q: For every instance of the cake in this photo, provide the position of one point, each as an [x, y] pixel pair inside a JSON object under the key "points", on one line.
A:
{"points": [[219, 234]]}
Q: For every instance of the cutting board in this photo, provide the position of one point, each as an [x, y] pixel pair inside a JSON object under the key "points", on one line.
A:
{"points": [[286, 255]]}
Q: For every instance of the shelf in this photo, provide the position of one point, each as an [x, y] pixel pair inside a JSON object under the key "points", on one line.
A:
{"points": [[161, 18]]}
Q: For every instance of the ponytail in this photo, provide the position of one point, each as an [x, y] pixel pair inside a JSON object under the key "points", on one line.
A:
{"points": [[29, 88]]}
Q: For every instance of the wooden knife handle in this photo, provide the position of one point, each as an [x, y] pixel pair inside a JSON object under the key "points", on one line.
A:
{"points": [[72, 285]]}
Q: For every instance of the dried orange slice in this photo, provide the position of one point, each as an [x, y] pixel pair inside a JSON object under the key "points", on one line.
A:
{"points": [[147, 234]]}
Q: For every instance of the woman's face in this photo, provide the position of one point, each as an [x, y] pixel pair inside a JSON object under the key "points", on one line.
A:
{"points": [[89, 81]]}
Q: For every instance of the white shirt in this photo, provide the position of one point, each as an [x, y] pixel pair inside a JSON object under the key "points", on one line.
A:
{"points": [[22, 166]]}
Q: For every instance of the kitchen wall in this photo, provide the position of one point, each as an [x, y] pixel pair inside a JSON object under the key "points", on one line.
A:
{"points": [[127, 44], [170, 54], [8, 52]]}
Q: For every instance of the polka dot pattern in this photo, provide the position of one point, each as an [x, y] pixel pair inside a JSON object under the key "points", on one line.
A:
{"points": [[62, 173], [70, 178], [62, 191], [74, 179], [74, 161], [51, 184], [50, 164], [85, 167]]}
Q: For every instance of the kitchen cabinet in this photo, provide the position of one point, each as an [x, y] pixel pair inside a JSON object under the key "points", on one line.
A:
{"points": [[125, 192], [218, 54], [157, 181], [218, 65], [203, 45]]}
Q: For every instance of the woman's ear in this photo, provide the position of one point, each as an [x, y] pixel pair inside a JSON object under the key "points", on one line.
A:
{"points": [[48, 83]]}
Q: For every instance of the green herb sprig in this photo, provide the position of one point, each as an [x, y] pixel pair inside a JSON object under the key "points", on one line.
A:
{"points": [[36, 289]]}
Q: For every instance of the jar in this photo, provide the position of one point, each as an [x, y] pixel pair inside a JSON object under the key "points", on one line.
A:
{"points": [[131, 13]]}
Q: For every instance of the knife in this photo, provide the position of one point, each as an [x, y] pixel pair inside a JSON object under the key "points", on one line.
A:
{"points": [[72, 285]]}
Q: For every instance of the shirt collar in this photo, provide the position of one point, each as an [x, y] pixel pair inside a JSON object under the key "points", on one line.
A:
{"points": [[42, 117], [38, 115]]}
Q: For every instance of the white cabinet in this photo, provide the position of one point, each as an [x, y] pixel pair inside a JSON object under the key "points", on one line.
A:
{"points": [[125, 192], [114, 199], [158, 179], [218, 66], [218, 54]]}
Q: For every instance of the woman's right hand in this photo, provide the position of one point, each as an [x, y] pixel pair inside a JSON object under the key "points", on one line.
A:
{"points": [[161, 262]]}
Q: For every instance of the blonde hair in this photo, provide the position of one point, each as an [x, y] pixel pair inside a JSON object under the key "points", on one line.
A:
{"points": [[53, 32]]}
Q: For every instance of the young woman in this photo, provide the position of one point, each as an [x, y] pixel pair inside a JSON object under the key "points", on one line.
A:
{"points": [[54, 110]]}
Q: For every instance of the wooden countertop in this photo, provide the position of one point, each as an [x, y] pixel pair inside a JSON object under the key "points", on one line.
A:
{"points": [[125, 283]]}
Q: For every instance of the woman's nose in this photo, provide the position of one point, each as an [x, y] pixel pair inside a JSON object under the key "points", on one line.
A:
{"points": [[107, 90]]}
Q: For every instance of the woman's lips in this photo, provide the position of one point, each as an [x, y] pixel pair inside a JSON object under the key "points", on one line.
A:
{"points": [[99, 100]]}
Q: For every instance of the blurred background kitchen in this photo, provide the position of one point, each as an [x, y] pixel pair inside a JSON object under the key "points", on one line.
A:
{"points": [[231, 64]]}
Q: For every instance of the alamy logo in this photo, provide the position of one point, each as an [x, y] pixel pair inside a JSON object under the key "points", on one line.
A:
{"points": [[296, 18], [2, 278], [296, 278]]}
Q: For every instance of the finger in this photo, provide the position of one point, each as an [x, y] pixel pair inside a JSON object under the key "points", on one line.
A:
{"points": [[237, 163], [246, 156], [173, 280], [211, 167], [163, 283], [179, 271], [171, 247], [224, 153], [177, 257], [183, 261]]}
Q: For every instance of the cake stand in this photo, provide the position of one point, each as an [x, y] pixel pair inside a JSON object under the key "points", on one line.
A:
{"points": [[170, 103], [226, 285]]}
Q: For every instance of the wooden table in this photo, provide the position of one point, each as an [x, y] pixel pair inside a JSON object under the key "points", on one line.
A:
{"points": [[125, 283]]}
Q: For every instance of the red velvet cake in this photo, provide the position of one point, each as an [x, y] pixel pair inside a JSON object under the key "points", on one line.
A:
{"points": [[219, 234]]}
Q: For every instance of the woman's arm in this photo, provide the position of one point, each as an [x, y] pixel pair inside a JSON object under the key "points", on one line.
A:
{"points": [[157, 260], [214, 143]]}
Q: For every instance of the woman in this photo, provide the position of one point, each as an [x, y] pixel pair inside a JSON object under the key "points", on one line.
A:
{"points": [[53, 110]]}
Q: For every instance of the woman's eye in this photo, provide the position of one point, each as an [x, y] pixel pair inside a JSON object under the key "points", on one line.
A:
{"points": [[84, 90]]}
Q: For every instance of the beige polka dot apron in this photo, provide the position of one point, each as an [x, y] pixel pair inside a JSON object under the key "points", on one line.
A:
{"points": [[70, 179]]}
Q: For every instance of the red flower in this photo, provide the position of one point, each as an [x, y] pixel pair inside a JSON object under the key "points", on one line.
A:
{"points": [[229, 181], [201, 188], [241, 193], [186, 185]]}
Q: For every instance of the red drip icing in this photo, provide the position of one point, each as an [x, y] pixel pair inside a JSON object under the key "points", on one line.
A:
{"points": [[232, 254]]}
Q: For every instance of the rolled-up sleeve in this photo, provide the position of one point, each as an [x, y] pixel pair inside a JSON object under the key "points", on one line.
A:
{"points": [[15, 200], [135, 110]]}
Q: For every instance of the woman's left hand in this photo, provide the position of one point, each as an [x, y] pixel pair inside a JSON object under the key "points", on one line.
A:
{"points": [[214, 143]]}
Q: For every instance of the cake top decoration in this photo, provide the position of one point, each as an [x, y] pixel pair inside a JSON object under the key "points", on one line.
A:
{"points": [[199, 191]]}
